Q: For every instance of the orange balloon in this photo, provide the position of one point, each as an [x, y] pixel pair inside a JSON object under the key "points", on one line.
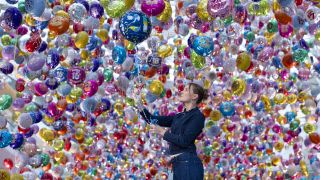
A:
{"points": [[282, 17], [62, 104], [314, 138], [151, 72], [288, 61], [59, 25]]}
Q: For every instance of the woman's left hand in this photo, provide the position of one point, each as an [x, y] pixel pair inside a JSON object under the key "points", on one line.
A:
{"points": [[157, 129]]}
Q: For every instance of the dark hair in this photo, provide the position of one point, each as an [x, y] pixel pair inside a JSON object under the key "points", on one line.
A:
{"points": [[197, 89]]}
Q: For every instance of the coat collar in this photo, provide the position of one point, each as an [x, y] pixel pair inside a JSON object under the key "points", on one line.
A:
{"points": [[191, 110]]}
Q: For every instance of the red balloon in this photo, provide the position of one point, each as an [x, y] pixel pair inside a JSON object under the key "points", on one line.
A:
{"points": [[8, 163]]}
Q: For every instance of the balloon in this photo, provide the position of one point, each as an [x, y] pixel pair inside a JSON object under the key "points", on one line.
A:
{"points": [[119, 54], [156, 87], [58, 25], [238, 87], [36, 62], [135, 26], [227, 108], [13, 17], [96, 10], [152, 8], [35, 7], [116, 8], [5, 101], [6, 138], [77, 12], [166, 13], [76, 75], [203, 45], [219, 8], [243, 61], [198, 61], [81, 39]]}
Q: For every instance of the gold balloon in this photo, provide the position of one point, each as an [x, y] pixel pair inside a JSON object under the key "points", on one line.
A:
{"points": [[63, 14], [280, 98], [266, 102], [29, 20], [275, 160], [4, 174], [215, 115], [156, 87], [166, 13], [102, 34], [16, 177], [278, 146], [202, 11], [243, 61], [238, 87], [79, 134], [164, 51], [227, 95], [81, 39], [292, 98], [46, 134], [118, 108]]}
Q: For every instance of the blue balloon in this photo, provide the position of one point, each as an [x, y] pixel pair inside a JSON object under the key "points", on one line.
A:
{"points": [[93, 42], [203, 45], [119, 54], [12, 17], [227, 108], [53, 58], [150, 97], [5, 138], [64, 89], [135, 26], [35, 7], [298, 22], [11, 1], [285, 3], [18, 141], [36, 116], [61, 73]]}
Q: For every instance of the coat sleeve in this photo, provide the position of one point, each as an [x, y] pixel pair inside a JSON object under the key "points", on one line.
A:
{"points": [[192, 130], [164, 121]]}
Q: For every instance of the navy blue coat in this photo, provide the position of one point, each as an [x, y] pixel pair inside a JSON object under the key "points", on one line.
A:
{"points": [[184, 129]]}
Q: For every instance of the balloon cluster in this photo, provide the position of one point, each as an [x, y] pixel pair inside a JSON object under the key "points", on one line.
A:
{"points": [[72, 70]]}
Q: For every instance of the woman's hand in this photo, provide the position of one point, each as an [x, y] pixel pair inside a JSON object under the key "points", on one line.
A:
{"points": [[157, 130]]}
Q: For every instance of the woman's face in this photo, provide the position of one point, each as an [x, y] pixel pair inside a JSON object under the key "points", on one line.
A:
{"points": [[187, 94]]}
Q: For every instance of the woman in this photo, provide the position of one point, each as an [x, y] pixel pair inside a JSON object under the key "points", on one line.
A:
{"points": [[184, 129]]}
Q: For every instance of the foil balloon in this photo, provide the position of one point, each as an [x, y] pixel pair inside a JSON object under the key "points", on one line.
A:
{"points": [[13, 17], [135, 26], [219, 8], [203, 45], [152, 7]]}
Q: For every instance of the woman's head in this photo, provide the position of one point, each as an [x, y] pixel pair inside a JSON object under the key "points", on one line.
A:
{"points": [[193, 93]]}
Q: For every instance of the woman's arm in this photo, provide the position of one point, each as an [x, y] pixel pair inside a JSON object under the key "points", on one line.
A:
{"points": [[164, 121], [192, 130]]}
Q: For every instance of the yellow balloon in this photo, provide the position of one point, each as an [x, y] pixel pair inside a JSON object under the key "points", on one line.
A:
{"points": [[58, 144], [81, 39], [215, 115], [116, 8], [197, 60], [79, 134], [46, 134], [292, 98], [278, 146], [102, 34], [156, 87], [166, 13], [62, 13], [59, 156], [215, 145], [4, 174], [243, 61], [227, 95], [164, 51], [202, 11], [309, 128], [118, 108], [280, 98], [16, 177], [275, 160], [129, 45], [266, 102], [66, 2], [317, 35], [238, 87], [29, 20]]}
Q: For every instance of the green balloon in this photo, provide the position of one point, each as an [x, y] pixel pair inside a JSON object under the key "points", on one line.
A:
{"points": [[197, 60], [5, 101], [45, 159], [300, 55], [108, 74], [22, 6]]}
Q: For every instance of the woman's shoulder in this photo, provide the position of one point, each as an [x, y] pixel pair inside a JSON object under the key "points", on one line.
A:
{"points": [[199, 114]]}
